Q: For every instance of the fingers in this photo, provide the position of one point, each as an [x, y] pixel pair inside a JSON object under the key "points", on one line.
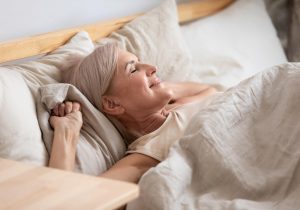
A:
{"points": [[65, 108], [76, 106], [68, 108], [61, 109], [55, 110]]}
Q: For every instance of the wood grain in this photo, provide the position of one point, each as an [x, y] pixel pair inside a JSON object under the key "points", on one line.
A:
{"points": [[44, 43], [24, 186], [198, 9]]}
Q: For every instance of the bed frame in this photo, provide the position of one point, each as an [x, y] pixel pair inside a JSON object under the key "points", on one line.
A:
{"points": [[44, 43]]}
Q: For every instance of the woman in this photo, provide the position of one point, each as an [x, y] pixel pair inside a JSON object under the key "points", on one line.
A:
{"points": [[130, 93]]}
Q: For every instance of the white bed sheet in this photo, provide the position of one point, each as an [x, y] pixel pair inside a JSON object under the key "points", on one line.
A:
{"points": [[240, 152]]}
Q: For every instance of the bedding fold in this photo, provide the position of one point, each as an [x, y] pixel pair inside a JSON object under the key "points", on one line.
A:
{"points": [[240, 152]]}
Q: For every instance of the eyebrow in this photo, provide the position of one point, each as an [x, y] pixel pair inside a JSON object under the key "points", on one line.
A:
{"points": [[129, 62]]}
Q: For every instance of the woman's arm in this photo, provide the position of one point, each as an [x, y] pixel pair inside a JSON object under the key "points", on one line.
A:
{"points": [[66, 120], [131, 168], [185, 92]]}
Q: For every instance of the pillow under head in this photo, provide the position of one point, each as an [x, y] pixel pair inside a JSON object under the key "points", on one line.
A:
{"points": [[155, 38]]}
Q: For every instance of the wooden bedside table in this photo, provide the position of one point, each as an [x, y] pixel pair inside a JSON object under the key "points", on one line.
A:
{"points": [[25, 186]]}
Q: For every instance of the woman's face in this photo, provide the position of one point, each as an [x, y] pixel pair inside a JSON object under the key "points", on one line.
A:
{"points": [[137, 86]]}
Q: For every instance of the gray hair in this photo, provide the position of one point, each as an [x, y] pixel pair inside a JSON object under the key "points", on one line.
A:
{"points": [[93, 74]]}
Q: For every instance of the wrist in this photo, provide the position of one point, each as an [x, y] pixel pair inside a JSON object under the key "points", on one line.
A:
{"points": [[66, 133], [63, 149]]}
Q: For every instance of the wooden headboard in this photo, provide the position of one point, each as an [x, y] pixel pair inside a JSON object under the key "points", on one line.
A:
{"points": [[44, 43]]}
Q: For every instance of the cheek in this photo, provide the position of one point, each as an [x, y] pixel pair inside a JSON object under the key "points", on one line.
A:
{"points": [[138, 85], [133, 88]]}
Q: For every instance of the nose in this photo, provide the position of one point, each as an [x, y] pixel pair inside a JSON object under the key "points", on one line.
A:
{"points": [[150, 70]]}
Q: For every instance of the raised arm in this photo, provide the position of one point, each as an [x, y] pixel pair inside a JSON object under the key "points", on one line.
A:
{"points": [[66, 120], [185, 92], [131, 168]]}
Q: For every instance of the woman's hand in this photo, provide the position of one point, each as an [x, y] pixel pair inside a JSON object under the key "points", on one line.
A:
{"points": [[66, 116], [66, 120]]}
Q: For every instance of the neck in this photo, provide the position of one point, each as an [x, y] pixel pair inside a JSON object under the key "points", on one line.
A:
{"points": [[141, 125]]}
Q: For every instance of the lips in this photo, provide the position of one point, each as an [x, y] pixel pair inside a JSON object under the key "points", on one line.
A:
{"points": [[155, 82]]}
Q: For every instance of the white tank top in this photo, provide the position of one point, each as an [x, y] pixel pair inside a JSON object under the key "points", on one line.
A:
{"points": [[157, 143]]}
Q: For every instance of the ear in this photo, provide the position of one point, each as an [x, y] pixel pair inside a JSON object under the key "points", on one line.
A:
{"points": [[111, 105]]}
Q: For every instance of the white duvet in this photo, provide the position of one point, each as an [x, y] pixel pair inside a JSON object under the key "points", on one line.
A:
{"points": [[240, 152]]}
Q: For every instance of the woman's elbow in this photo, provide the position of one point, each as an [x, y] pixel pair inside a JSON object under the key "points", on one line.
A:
{"points": [[209, 90], [212, 90]]}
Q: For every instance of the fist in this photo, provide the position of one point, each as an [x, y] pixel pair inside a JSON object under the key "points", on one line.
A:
{"points": [[66, 116]]}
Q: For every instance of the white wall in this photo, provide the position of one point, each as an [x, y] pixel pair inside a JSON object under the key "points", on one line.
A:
{"points": [[20, 18]]}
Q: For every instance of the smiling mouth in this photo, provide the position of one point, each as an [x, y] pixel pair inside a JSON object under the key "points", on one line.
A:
{"points": [[155, 83]]}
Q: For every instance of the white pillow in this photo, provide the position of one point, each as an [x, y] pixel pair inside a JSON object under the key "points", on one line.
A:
{"points": [[20, 134], [47, 69], [233, 44]]}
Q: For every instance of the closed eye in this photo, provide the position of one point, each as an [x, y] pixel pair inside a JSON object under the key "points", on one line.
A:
{"points": [[133, 69]]}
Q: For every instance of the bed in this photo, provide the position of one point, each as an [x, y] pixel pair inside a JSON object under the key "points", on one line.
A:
{"points": [[219, 42]]}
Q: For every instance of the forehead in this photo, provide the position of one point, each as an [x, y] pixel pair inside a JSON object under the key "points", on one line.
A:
{"points": [[125, 56]]}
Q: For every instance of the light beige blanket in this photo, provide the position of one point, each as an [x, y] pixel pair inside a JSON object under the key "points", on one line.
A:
{"points": [[100, 144], [241, 152]]}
